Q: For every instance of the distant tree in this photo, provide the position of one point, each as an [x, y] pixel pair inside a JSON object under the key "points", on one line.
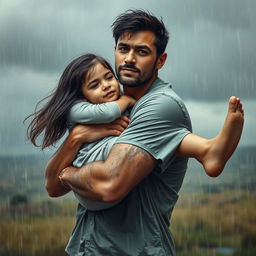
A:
{"points": [[19, 199]]}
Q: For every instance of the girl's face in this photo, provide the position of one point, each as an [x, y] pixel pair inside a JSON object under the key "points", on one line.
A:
{"points": [[101, 85]]}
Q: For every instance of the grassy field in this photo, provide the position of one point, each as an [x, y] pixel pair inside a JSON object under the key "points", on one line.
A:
{"points": [[38, 229], [213, 217], [206, 224], [201, 225]]}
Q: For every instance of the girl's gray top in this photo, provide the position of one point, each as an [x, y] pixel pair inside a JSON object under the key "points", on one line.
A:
{"points": [[83, 112]]}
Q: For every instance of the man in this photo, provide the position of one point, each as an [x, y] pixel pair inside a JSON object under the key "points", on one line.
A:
{"points": [[142, 167]]}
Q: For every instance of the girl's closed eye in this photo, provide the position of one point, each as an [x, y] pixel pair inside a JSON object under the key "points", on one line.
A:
{"points": [[93, 85], [109, 76]]}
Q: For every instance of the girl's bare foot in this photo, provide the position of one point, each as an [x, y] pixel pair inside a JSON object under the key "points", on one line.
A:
{"points": [[224, 144]]}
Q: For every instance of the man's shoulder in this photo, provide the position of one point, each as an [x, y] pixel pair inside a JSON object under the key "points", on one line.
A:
{"points": [[161, 90], [161, 103], [160, 97]]}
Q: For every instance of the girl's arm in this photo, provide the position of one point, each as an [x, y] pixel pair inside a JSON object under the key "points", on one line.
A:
{"points": [[125, 102], [87, 113], [79, 135]]}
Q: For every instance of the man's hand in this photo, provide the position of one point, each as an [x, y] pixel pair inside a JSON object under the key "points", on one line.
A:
{"points": [[93, 132], [66, 153]]}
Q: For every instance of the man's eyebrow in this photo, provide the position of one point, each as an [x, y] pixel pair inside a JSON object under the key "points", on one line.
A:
{"points": [[143, 47], [137, 46], [123, 44]]}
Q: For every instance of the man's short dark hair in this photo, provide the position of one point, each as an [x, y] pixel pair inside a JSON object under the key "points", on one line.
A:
{"points": [[133, 21]]}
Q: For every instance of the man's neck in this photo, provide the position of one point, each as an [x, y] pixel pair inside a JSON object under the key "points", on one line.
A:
{"points": [[138, 92]]}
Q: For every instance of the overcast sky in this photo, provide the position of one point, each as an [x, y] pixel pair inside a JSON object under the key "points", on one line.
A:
{"points": [[211, 55]]}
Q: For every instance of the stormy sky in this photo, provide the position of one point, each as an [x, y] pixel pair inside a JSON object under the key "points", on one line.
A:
{"points": [[211, 56]]}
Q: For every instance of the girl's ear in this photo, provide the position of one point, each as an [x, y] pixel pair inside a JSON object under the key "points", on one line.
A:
{"points": [[161, 60]]}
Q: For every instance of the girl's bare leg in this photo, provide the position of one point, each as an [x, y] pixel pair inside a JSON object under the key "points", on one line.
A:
{"points": [[214, 153]]}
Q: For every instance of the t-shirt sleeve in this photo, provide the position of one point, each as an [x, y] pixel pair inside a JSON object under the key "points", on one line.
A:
{"points": [[87, 113], [158, 126]]}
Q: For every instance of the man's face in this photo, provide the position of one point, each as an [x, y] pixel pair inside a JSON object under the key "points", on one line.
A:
{"points": [[135, 58]]}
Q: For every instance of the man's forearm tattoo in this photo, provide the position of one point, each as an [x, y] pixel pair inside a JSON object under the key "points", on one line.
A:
{"points": [[131, 152], [123, 156], [88, 186], [89, 167], [87, 171]]}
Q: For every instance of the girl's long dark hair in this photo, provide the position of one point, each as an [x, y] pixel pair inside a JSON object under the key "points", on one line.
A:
{"points": [[51, 119]]}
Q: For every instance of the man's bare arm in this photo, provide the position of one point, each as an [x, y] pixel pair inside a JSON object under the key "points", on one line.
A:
{"points": [[60, 160], [112, 179], [68, 150]]}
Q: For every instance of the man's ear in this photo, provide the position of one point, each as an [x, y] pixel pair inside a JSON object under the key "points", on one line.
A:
{"points": [[161, 60]]}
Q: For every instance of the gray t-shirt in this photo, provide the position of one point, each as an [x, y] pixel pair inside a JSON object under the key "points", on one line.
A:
{"points": [[139, 224], [83, 112]]}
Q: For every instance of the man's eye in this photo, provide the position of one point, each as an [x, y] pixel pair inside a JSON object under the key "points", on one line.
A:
{"points": [[122, 49], [142, 52]]}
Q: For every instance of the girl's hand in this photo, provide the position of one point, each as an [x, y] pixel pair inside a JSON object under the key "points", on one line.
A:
{"points": [[93, 132], [130, 100]]}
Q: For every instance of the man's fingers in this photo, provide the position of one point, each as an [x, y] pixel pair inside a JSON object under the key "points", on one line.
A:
{"points": [[122, 121], [110, 132], [126, 119], [114, 132], [117, 127], [93, 132]]}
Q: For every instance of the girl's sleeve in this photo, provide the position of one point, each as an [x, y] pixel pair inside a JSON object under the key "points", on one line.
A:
{"points": [[87, 113]]}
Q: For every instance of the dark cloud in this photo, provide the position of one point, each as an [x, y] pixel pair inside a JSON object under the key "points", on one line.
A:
{"points": [[213, 67], [44, 34], [211, 54], [229, 13], [211, 47]]}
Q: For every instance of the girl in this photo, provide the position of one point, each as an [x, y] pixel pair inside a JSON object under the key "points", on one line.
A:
{"points": [[88, 93], [77, 99]]}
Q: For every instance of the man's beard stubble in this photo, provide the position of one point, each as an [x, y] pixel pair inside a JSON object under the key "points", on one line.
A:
{"points": [[136, 82]]}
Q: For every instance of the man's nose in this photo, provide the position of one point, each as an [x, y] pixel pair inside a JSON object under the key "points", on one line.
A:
{"points": [[130, 57]]}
